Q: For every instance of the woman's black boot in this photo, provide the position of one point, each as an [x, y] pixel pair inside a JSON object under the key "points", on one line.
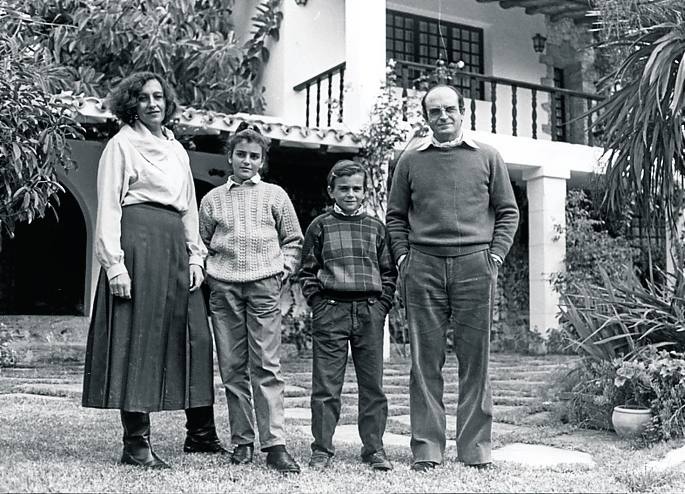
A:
{"points": [[137, 448], [201, 436]]}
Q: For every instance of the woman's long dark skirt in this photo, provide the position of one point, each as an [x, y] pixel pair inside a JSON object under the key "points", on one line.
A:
{"points": [[154, 351]]}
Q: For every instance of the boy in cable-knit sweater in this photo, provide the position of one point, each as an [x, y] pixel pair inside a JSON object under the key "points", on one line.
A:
{"points": [[348, 277], [254, 242]]}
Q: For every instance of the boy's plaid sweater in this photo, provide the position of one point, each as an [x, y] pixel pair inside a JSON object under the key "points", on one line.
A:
{"points": [[349, 257]]}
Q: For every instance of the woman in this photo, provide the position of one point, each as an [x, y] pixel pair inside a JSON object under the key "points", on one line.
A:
{"points": [[149, 346]]}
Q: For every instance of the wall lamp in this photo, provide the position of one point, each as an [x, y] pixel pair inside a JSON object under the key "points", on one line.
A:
{"points": [[539, 43]]}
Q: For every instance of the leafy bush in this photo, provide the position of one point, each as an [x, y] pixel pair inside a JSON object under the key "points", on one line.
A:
{"points": [[592, 394], [617, 318], [589, 245], [33, 137], [90, 46]]}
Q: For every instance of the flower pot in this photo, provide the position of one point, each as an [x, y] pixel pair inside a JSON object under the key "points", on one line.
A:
{"points": [[630, 422]]}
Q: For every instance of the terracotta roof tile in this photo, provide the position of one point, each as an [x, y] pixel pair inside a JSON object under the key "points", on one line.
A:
{"points": [[191, 121]]}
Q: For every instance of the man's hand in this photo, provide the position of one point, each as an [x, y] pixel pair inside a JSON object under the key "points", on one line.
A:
{"points": [[197, 276], [120, 286], [498, 260], [400, 260]]}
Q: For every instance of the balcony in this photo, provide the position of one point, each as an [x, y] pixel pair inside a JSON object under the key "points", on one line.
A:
{"points": [[493, 104]]}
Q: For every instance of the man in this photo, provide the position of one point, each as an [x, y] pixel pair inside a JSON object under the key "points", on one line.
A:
{"points": [[452, 217]]}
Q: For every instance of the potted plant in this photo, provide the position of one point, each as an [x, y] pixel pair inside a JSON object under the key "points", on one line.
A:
{"points": [[634, 380]]}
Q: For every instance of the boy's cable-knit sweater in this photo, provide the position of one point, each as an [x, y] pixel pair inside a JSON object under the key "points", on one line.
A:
{"points": [[348, 257], [251, 232], [451, 202]]}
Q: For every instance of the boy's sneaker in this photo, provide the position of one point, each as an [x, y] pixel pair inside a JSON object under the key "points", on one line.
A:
{"points": [[320, 460], [378, 461]]}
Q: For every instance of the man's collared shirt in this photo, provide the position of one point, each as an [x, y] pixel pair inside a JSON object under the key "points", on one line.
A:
{"points": [[254, 180], [430, 140]]}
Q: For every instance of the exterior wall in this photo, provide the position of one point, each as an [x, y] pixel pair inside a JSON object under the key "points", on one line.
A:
{"points": [[312, 40]]}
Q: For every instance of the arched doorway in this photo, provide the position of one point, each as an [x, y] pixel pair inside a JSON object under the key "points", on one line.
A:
{"points": [[42, 269]]}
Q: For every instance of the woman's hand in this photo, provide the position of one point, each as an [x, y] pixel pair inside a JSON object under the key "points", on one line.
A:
{"points": [[197, 276], [120, 286]]}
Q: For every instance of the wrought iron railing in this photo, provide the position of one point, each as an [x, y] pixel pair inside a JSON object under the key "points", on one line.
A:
{"points": [[511, 106], [324, 96]]}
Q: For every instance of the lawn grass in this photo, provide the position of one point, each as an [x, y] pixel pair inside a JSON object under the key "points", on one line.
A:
{"points": [[50, 444]]}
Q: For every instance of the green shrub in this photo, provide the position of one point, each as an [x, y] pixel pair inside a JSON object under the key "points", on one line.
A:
{"points": [[589, 245], [591, 393], [617, 318]]}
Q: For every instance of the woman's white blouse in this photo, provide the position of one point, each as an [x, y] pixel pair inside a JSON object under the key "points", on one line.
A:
{"points": [[137, 167]]}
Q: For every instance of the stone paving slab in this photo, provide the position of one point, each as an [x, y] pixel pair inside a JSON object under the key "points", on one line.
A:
{"points": [[674, 459], [539, 456], [497, 427], [297, 402], [349, 434], [514, 384], [67, 390], [298, 413], [290, 390]]}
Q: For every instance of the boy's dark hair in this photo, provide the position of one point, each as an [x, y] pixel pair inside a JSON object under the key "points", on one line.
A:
{"points": [[460, 97], [123, 100], [346, 168], [249, 133]]}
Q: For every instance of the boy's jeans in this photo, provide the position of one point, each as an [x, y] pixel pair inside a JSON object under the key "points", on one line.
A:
{"points": [[246, 318], [435, 290], [334, 324]]}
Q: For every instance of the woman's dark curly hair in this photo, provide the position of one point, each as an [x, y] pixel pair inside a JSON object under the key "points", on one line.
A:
{"points": [[123, 100]]}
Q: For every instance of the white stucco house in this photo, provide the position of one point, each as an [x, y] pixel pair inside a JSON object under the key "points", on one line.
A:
{"points": [[321, 81], [526, 102]]}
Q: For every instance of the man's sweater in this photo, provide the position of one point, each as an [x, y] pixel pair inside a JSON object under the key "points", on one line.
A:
{"points": [[451, 202], [347, 257], [251, 232]]}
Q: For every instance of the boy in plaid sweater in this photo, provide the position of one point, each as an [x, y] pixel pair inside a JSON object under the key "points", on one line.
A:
{"points": [[348, 277]]}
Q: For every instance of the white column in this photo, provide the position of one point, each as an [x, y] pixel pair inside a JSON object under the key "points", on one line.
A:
{"points": [[364, 57], [546, 190]]}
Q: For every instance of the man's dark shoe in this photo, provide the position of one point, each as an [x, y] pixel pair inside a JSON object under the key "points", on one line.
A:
{"points": [[282, 462], [320, 460], [480, 466], [378, 461], [242, 454], [423, 466], [211, 447]]}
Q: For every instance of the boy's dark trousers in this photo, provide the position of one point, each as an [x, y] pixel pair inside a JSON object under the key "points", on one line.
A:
{"points": [[334, 324]]}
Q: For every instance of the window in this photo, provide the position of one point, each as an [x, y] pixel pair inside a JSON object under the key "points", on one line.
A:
{"points": [[424, 40]]}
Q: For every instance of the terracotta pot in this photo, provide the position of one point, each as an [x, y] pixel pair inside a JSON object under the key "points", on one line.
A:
{"points": [[630, 422]]}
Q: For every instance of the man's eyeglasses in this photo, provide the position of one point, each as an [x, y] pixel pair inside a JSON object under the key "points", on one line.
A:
{"points": [[437, 112]]}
